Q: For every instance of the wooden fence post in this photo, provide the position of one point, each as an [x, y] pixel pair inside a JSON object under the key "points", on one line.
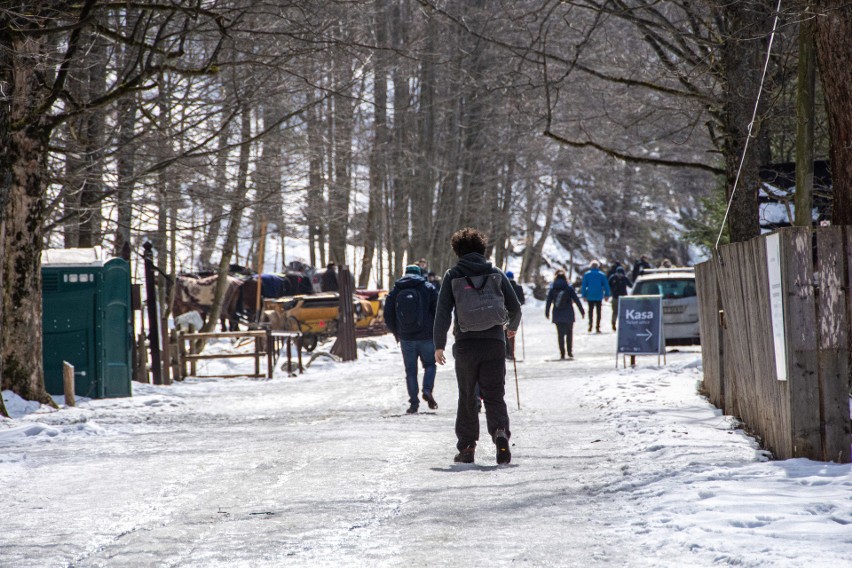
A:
{"points": [[68, 383], [270, 348], [345, 345], [833, 356], [153, 319], [800, 307]]}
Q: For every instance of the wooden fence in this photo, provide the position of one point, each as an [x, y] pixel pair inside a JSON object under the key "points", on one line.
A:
{"points": [[806, 415], [263, 349]]}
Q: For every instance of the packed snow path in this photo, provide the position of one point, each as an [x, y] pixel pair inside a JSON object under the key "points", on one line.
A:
{"points": [[610, 468]]}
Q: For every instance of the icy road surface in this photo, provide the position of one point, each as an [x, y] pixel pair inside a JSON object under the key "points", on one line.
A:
{"points": [[610, 468]]}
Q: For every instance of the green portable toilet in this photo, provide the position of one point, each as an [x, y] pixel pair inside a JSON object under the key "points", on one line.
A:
{"points": [[86, 321]]}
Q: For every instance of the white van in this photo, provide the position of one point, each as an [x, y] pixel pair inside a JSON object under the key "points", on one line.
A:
{"points": [[680, 302]]}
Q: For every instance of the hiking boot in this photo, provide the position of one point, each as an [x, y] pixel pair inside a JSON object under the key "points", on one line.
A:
{"points": [[613, 327], [427, 396], [501, 440], [465, 455], [411, 410]]}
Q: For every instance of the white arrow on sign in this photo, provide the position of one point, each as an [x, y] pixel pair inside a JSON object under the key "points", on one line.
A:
{"points": [[647, 335]]}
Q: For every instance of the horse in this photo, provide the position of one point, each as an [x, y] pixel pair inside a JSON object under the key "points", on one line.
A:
{"points": [[271, 286], [197, 294]]}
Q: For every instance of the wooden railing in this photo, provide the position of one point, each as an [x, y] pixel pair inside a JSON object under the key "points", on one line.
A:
{"points": [[806, 415], [188, 352]]}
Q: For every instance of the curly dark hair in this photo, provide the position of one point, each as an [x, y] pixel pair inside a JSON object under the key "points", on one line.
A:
{"points": [[468, 240]]}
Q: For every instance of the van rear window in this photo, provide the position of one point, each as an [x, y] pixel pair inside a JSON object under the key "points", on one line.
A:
{"points": [[674, 288]]}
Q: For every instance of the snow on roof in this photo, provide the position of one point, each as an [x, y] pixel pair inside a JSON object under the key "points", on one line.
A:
{"points": [[73, 257]]}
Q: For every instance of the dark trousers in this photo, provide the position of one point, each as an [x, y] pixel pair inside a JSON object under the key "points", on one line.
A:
{"points": [[592, 307], [565, 332], [614, 310], [480, 362]]}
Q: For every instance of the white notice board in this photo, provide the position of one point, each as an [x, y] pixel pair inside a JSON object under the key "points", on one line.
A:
{"points": [[776, 304]]}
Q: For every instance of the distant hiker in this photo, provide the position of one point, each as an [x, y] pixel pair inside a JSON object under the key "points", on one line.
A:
{"points": [[423, 266], [519, 292], [483, 301], [410, 316], [562, 297], [618, 285], [434, 280], [640, 266], [595, 289], [612, 269], [329, 278]]}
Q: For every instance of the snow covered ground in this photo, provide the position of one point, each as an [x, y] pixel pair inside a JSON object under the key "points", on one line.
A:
{"points": [[610, 468]]}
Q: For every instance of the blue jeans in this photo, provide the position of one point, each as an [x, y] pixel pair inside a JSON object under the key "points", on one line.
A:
{"points": [[424, 349]]}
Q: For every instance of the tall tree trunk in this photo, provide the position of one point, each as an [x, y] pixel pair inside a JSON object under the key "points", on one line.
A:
{"points": [[126, 146], [220, 177], [125, 170], [423, 184], [268, 169], [23, 167], [92, 192], [315, 194], [805, 120], [341, 186], [503, 223], [834, 53], [380, 141], [237, 203], [743, 59]]}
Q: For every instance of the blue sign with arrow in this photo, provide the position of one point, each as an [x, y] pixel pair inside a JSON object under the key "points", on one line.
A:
{"points": [[640, 325]]}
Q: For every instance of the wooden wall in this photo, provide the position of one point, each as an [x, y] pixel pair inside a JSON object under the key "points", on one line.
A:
{"points": [[808, 414]]}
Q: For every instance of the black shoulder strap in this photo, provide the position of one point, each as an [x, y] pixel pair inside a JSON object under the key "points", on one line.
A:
{"points": [[472, 285]]}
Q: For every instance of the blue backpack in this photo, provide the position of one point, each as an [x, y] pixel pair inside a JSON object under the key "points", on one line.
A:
{"points": [[409, 313]]}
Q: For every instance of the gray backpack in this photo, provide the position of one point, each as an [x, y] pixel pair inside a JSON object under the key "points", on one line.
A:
{"points": [[479, 302]]}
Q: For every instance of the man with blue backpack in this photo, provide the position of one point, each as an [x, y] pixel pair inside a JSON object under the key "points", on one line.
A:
{"points": [[595, 289], [410, 316]]}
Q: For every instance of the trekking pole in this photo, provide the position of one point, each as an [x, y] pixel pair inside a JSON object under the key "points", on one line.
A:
{"points": [[523, 345], [517, 388]]}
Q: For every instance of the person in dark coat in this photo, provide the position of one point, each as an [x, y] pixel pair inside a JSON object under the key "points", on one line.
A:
{"points": [[480, 355], [413, 325], [640, 266], [613, 268], [519, 292], [618, 285], [563, 314], [329, 278]]}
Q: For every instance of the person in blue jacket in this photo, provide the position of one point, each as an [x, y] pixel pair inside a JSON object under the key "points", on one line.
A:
{"points": [[562, 297], [595, 289]]}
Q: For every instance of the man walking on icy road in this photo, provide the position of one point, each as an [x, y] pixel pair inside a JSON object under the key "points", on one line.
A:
{"points": [[482, 301], [410, 316], [595, 288]]}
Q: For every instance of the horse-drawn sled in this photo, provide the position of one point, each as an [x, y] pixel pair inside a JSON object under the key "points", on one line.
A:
{"points": [[316, 316]]}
